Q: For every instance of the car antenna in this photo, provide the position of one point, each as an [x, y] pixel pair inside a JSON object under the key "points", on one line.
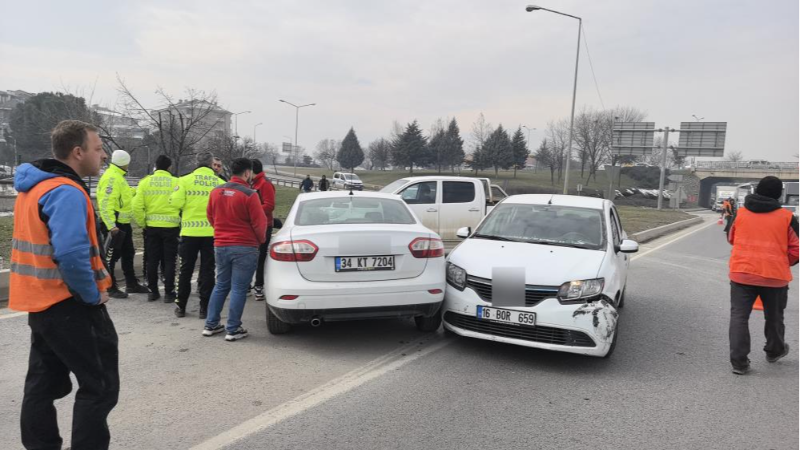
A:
{"points": [[550, 202]]}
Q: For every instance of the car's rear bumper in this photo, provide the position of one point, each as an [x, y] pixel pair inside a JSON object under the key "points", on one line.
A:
{"points": [[298, 316]]}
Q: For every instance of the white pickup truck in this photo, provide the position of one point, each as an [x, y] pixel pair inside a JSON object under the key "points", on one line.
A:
{"points": [[444, 203]]}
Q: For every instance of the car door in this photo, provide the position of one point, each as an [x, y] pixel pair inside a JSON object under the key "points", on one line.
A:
{"points": [[460, 207], [423, 198]]}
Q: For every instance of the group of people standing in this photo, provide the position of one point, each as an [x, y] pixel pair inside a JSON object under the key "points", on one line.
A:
{"points": [[60, 274]]}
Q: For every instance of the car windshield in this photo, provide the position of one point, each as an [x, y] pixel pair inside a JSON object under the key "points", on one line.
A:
{"points": [[348, 209], [351, 177], [545, 224], [393, 186]]}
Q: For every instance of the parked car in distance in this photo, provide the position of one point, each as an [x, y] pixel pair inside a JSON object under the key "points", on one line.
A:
{"points": [[570, 255], [342, 180], [446, 203], [346, 256]]}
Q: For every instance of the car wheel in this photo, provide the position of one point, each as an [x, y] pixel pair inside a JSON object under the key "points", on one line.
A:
{"points": [[275, 325], [429, 324], [621, 301]]}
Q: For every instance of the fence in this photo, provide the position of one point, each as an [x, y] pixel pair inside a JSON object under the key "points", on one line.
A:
{"points": [[744, 165]]}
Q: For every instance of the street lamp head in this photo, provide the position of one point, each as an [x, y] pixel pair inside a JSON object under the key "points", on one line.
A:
{"points": [[282, 101], [530, 8]]}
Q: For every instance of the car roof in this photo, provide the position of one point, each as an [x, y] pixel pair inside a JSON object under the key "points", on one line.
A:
{"points": [[345, 193], [558, 200], [438, 177]]}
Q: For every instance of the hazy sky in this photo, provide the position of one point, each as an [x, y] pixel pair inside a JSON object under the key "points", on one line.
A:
{"points": [[368, 63]]}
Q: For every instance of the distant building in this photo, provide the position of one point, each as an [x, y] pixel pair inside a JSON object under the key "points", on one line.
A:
{"points": [[8, 101], [118, 125], [216, 124]]}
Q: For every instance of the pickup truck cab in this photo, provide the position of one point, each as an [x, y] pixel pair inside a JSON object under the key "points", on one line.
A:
{"points": [[446, 203]]}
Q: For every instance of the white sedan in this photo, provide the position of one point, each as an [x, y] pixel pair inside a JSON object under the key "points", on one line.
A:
{"points": [[545, 271], [359, 255]]}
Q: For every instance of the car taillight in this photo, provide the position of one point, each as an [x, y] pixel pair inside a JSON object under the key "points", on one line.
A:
{"points": [[426, 248], [292, 251]]}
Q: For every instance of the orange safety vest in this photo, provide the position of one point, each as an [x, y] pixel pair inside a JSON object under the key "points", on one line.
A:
{"points": [[761, 244], [35, 280]]}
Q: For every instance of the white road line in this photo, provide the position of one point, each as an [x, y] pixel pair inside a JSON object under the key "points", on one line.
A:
{"points": [[345, 383], [689, 233], [16, 314]]}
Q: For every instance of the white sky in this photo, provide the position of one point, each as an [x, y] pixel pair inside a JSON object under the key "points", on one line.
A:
{"points": [[367, 63]]}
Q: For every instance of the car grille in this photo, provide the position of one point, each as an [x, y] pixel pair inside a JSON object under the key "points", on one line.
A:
{"points": [[533, 294], [538, 333]]}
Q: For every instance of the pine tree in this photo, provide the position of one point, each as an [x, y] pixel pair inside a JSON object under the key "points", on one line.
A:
{"points": [[497, 151], [438, 148], [410, 148], [454, 146], [519, 149], [350, 154]]}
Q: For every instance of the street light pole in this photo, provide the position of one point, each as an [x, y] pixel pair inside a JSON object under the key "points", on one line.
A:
{"points": [[236, 121], [698, 118], [574, 87], [529, 142], [254, 131], [296, 125]]}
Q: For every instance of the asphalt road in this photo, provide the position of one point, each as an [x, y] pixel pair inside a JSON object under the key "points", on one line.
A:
{"points": [[384, 385]]}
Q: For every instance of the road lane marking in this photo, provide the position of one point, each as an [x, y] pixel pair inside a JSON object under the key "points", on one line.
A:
{"points": [[691, 232], [338, 386], [15, 314]]}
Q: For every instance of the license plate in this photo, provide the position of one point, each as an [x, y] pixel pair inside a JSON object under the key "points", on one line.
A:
{"points": [[364, 263], [506, 316]]}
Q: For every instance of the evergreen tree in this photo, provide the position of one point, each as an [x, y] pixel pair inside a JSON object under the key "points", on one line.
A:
{"points": [[454, 146], [438, 148], [410, 148], [498, 151], [519, 149], [350, 154]]}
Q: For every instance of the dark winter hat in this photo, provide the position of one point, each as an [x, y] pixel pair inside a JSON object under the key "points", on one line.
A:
{"points": [[770, 187]]}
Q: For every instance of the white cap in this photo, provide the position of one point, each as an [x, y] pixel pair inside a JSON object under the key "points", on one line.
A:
{"points": [[120, 158]]}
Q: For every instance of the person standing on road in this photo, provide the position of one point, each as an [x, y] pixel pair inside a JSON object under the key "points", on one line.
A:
{"points": [[59, 278], [161, 223], [307, 185], [197, 235], [765, 245], [114, 201], [240, 226], [217, 166], [324, 184], [266, 193]]}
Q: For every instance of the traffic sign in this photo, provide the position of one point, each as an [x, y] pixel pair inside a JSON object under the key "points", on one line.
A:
{"points": [[633, 138], [702, 139]]}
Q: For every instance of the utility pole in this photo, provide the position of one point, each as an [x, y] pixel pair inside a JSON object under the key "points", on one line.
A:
{"points": [[664, 147]]}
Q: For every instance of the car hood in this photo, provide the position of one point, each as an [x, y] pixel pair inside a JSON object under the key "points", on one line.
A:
{"points": [[545, 265]]}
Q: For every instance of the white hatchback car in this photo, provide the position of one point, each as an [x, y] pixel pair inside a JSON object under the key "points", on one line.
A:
{"points": [[345, 256], [545, 271]]}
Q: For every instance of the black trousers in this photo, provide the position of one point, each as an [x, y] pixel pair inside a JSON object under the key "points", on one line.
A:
{"points": [[144, 257], [70, 337], [263, 249], [161, 248], [125, 252], [189, 248], [728, 223], [742, 299]]}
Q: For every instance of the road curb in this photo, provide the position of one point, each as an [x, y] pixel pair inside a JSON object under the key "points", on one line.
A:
{"points": [[653, 233]]}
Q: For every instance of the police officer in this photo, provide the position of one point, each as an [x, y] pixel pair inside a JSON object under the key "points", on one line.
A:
{"points": [[153, 212], [197, 235], [114, 201]]}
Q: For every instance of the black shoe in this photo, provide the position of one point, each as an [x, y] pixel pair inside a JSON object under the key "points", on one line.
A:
{"points": [[180, 312], [170, 297], [741, 370], [240, 333], [773, 359], [203, 313], [114, 292], [136, 288], [259, 293], [153, 296], [209, 331]]}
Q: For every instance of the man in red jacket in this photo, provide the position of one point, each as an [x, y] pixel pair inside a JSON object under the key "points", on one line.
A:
{"points": [[266, 192], [240, 226]]}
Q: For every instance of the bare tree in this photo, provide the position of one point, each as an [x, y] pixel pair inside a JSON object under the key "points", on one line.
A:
{"points": [[179, 127], [734, 156], [271, 155], [546, 157], [380, 152], [481, 130], [623, 114], [228, 149], [558, 134], [326, 153]]}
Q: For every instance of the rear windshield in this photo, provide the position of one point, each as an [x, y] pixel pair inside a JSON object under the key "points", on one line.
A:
{"points": [[343, 210]]}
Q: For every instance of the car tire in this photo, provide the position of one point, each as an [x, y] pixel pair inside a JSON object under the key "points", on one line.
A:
{"points": [[275, 325], [429, 324]]}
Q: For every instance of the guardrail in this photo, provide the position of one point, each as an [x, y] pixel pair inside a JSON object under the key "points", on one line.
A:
{"points": [[745, 165]]}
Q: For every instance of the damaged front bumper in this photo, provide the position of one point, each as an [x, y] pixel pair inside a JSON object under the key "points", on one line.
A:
{"points": [[586, 329]]}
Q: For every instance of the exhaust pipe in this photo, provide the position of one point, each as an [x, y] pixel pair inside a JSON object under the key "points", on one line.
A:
{"points": [[316, 321]]}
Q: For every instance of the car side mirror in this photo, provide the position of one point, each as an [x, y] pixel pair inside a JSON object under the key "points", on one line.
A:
{"points": [[629, 246], [464, 232]]}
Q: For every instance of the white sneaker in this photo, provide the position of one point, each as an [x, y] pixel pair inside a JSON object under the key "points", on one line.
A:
{"points": [[240, 333], [212, 331]]}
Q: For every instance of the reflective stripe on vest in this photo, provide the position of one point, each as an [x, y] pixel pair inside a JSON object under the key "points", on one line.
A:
{"points": [[195, 224], [163, 218], [42, 249]]}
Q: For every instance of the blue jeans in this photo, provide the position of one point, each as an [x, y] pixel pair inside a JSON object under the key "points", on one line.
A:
{"points": [[235, 268]]}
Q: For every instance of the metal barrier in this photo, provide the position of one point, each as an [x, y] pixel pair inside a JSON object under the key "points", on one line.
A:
{"points": [[745, 165]]}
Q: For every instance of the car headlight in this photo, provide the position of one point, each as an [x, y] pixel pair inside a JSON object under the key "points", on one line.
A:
{"points": [[456, 276], [580, 290]]}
